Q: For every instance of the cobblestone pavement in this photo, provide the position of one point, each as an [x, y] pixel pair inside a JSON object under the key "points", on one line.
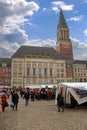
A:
{"points": [[43, 115]]}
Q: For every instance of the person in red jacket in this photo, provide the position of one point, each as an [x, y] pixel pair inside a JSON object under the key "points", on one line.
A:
{"points": [[4, 99]]}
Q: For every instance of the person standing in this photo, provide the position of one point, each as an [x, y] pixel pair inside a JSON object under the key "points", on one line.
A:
{"points": [[26, 97], [4, 100], [15, 99], [32, 95], [60, 102]]}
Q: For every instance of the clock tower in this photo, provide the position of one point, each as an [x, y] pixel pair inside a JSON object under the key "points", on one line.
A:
{"points": [[63, 44]]}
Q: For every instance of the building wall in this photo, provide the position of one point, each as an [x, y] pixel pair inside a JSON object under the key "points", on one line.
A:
{"points": [[37, 71], [80, 72], [5, 75]]}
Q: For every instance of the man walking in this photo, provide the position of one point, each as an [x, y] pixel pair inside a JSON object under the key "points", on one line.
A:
{"points": [[26, 97], [60, 102], [15, 99]]}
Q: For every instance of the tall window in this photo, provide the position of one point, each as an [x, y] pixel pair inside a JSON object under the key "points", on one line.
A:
{"points": [[46, 81], [51, 81], [39, 71], [34, 81], [28, 71], [51, 64], [34, 71], [39, 64], [45, 64], [39, 81], [34, 64], [51, 72], [45, 71]]}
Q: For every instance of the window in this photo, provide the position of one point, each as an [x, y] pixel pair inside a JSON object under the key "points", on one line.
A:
{"points": [[4, 65], [14, 81], [46, 81], [14, 73], [51, 72], [57, 64], [45, 64], [62, 74], [39, 64], [62, 70], [34, 64], [45, 71], [20, 81], [34, 71], [34, 81], [58, 81], [68, 66], [28, 71], [51, 64], [39, 71], [58, 70], [51, 81], [58, 74], [62, 80], [39, 81], [20, 73], [27, 81], [62, 64], [28, 64]]}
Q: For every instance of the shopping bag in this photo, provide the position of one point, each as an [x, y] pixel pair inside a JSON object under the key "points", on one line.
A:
{"points": [[0, 109], [12, 105], [6, 104]]}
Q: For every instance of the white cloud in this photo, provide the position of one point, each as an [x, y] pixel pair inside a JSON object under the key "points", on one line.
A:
{"points": [[85, 32], [79, 49], [76, 18], [12, 17], [7, 49], [44, 9], [39, 42], [60, 4]]}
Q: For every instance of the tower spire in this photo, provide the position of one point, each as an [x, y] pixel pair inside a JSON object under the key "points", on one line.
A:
{"points": [[62, 21], [63, 44]]}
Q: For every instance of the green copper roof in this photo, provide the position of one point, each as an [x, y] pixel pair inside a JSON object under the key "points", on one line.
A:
{"points": [[62, 21]]}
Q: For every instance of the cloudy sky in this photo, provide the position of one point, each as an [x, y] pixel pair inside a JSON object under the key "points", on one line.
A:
{"points": [[34, 23]]}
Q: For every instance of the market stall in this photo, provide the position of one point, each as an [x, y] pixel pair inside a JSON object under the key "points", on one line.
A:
{"points": [[73, 92]]}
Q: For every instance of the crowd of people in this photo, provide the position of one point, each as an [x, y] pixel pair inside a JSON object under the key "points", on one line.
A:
{"points": [[29, 94], [25, 93]]}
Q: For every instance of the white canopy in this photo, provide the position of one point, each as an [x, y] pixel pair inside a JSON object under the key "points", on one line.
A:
{"points": [[33, 87], [77, 85], [49, 86], [42, 86], [1, 87]]}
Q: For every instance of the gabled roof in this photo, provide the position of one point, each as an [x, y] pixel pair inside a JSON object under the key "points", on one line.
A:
{"points": [[62, 21], [80, 62], [5, 60], [24, 51]]}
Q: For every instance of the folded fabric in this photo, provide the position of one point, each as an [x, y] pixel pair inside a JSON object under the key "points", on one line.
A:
{"points": [[12, 105]]}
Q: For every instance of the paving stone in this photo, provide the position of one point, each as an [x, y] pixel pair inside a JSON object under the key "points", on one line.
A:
{"points": [[43, 115]]}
